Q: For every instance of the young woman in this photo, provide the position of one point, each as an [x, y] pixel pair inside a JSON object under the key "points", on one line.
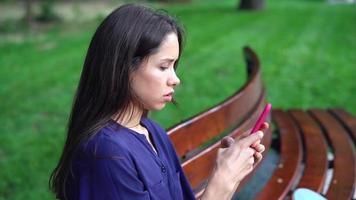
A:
{"points": [[112, 150]]}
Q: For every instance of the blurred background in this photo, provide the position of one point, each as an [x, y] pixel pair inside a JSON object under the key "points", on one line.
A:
{"points": [[306, 47]]}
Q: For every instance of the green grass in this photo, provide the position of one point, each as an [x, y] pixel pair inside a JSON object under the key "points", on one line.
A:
{"points": [[306, 47]]}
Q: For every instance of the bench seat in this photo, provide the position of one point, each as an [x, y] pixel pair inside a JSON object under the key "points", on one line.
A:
{"points": [[306, 138]]}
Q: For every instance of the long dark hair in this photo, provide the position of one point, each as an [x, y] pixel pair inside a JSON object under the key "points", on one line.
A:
{"points": [[121, 42]]}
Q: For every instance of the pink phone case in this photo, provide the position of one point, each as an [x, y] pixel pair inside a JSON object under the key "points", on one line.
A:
{"points": [[262, 118]]}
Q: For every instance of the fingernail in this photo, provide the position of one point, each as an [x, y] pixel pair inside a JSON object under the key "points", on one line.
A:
{"points": [[260, 134]]}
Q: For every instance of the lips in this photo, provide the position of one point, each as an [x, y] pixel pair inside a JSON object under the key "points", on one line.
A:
{"points": [[168, 96]]}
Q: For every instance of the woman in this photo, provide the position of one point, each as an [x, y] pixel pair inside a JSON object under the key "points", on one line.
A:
{"points": [[112, 150]]}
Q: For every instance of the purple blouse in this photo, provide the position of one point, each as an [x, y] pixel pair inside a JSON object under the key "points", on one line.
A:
{"points": [[119, 163]]}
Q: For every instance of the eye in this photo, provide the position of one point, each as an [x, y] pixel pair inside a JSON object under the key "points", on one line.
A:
{"points": [[163, 68]]}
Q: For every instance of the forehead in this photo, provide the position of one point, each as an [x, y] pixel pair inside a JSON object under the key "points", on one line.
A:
{"points": [[168, 49]]}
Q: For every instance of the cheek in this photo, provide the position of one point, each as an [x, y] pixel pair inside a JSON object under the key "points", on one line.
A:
{"points": [[148, 86], [149, 94]]}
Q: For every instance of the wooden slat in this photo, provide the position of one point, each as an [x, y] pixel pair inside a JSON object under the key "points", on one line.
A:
{"points": [[348, 120], [291, 153], [215, 120], [344, 171], [316, 163]]}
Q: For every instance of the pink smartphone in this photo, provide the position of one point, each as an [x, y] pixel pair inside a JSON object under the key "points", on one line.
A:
{"points": [[261, 118]]}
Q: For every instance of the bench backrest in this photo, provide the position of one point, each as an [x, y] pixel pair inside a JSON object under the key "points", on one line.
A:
{"points": [[197, 139]]}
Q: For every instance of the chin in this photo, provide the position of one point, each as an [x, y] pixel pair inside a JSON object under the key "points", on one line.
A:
{"points": [[157, 107]]}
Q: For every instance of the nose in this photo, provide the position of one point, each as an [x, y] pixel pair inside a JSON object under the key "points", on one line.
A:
{"points": [[173, 80]]}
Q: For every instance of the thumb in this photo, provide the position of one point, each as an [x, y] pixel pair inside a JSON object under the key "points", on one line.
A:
{"points": [[249, 140], [227, 142]]}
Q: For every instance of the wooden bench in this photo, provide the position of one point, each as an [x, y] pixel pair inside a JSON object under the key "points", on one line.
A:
{"points": [[311, 143]]}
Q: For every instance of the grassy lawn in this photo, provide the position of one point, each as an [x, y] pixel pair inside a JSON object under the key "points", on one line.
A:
{"points": [[307, 49]]}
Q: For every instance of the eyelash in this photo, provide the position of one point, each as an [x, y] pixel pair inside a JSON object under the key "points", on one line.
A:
{"points": [[162, 68]]}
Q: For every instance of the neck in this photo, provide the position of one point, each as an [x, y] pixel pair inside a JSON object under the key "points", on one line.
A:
{"points": [[131, 118]]}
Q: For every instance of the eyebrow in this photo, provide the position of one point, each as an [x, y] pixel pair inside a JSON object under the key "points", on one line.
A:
{"points": [[168, 59]]}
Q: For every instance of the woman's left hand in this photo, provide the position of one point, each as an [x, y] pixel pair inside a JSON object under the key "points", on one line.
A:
{"points": [[257, 146]]}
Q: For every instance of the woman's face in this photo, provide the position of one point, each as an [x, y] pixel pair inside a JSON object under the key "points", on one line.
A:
{"points": [[155, 79]]}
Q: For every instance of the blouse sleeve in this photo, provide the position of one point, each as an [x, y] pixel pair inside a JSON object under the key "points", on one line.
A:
{"points": [[110, 175]]}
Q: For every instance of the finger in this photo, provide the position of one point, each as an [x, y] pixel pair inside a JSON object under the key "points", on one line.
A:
{"points": [[245, 154], [250, 152], [264, 126], [256, 143], [249, 140], [258, 157], [260, 148], [227, 142], [251, 161]]}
